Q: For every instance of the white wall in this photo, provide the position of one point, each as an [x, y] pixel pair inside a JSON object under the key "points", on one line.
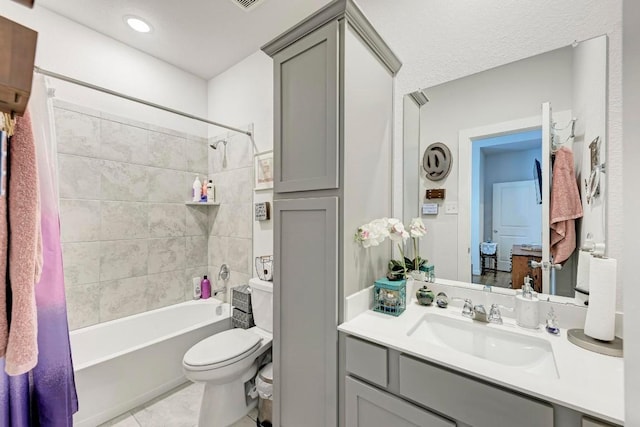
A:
{"points": [[238, 97], [68, 48], [631, 208], [589, 106]]}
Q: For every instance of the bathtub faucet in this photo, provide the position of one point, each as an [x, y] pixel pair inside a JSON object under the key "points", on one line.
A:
{"points": [[222, 290]]}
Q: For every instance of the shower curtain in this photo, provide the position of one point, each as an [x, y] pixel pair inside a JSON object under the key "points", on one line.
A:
{"points": [[46, 396]]}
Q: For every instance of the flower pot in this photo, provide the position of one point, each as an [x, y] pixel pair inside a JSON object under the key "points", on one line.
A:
{"points": [[418, 275]]}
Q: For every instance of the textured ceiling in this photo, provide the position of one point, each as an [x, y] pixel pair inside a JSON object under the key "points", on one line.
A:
{"points": [[203, 37]]}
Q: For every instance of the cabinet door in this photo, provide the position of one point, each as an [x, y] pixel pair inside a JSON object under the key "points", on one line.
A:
{"points": [[367, 406], [306, 113], [305, 312]]}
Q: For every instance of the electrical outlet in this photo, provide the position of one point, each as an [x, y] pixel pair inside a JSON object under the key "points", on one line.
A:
{"points": [[451, 208]]}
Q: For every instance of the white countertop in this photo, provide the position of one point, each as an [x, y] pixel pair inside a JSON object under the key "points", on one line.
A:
{"points": [[588, 382]]}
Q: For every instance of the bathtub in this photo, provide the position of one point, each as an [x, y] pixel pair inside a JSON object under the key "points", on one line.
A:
{"points": [[124, 363]]}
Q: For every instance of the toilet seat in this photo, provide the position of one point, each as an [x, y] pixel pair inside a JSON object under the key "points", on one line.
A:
{"points": [[222, 349]]}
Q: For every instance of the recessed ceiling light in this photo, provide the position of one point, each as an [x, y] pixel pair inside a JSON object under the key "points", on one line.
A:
{"points": [[137, 24]]}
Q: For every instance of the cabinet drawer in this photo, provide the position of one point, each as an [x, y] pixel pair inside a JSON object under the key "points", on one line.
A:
{"points": [[469, 401], [366, 406], [367, 361]]}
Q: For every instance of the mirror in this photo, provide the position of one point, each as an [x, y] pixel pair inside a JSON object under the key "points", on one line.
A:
{"points": [[507, 129]]}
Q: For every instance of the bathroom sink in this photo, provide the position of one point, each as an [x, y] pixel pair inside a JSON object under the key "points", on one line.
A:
{"points": [[509, 349]]}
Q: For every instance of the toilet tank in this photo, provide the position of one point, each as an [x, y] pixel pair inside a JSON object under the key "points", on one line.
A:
{"points": [[262, 303]]}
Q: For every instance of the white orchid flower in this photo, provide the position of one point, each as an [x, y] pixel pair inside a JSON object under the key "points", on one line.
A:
{"points": [[417, 228], [397, 233]]}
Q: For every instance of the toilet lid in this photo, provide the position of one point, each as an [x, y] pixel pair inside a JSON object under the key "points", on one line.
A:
{"points": [[222, 347]]}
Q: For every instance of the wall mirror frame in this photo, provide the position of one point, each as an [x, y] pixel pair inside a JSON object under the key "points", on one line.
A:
{"points": [[542, 94]]}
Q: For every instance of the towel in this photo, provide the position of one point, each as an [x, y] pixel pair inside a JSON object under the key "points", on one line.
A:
{"points": [[4, 239], [25, 249], [565, 208]]}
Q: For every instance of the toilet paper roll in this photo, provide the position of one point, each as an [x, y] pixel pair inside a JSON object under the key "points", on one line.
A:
{"points": [[601, 313], [584, 263]]}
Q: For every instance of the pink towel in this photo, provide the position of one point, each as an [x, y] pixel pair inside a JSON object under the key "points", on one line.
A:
{"points": [[25, 249], [565, 208]]}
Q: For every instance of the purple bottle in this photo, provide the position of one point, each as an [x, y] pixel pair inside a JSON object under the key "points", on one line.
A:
{"points": [[205, 287]]}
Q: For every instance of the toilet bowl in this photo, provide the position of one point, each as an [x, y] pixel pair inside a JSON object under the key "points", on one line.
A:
{"points": [[226, 361]]}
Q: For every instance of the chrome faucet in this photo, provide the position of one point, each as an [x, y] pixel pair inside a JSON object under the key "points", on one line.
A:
{"points": [[474, 312]]}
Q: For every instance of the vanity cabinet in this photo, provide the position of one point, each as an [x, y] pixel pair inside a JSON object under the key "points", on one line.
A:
{"points": [[333, 131], [367, 406], [385, 387]]}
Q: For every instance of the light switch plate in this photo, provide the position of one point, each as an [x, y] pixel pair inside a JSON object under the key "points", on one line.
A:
{"points": [[451, 208]]}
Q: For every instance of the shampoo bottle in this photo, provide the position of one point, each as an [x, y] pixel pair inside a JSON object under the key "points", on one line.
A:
{"points": [[204, 192], [211, 192], [527, 306], [205, 285], [197, 190], [196, 288]]}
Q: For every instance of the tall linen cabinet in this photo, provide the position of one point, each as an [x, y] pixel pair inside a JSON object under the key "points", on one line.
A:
{"points": [[333, 84]]}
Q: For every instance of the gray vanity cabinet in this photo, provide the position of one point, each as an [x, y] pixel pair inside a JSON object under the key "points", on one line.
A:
{"points": [[367, 406], [333, 131], [305, 310], [385, 387], [305, 113]]}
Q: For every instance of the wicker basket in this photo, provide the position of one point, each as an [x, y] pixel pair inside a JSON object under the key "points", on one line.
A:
{"points": [[243, 320], [241, 298]]}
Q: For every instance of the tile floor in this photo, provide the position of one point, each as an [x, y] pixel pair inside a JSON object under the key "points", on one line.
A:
{"points": [[177, 408]]}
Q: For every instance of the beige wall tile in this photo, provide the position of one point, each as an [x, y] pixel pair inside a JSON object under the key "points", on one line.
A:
{"points": [[124, 297], [123, 258], [81, 263], [124, 220], [79, 220], [166, 254]]}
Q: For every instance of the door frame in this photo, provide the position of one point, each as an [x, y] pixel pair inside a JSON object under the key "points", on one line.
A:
{"points": [[465, 142]]}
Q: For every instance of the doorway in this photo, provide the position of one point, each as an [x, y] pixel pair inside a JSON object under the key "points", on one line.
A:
{"points": [[505, 201]]}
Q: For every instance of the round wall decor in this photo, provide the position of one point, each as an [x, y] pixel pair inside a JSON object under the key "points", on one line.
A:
{"points": [[436, 161]]}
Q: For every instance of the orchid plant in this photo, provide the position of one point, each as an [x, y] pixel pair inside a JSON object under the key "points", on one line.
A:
{"points": [[376, 231]]}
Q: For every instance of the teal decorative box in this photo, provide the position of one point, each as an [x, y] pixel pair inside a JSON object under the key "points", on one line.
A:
{"points": [[390, 296]]}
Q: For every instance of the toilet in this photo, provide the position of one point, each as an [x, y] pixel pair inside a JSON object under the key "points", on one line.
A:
{"points": [[226, 361]]}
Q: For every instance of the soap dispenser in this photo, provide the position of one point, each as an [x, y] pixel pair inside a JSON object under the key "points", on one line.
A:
{"points": [[527, 306]]}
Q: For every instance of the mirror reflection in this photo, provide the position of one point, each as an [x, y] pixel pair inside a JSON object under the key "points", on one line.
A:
{"points": [[527, 187]]}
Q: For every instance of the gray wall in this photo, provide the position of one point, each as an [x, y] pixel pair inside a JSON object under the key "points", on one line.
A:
{"points": [[231, 231], [505, 167], [129, 242]]}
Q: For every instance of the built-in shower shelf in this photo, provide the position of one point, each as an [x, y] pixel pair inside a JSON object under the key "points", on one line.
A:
{"points": [[202, 203]]}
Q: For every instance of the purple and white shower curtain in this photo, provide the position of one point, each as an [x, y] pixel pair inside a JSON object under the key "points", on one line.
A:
{"points": [[46, 396]]}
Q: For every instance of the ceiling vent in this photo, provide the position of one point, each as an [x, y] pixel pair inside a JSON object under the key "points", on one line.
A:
{"points": [[247, 5]]}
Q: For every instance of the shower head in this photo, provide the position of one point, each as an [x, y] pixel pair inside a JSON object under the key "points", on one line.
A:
{"points": [[214, 145]]}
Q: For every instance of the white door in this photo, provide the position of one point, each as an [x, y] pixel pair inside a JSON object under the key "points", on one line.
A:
{"points": [[516, 218]]}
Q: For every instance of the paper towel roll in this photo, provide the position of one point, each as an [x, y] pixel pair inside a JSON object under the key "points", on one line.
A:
{"points": [[601, 313], [584, 263]]}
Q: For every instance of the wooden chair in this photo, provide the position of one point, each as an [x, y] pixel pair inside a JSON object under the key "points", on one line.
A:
{"points": [[484, 258]]}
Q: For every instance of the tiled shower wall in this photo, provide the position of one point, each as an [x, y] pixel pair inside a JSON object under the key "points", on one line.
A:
{"points": [[230, 238], [130, 244]]}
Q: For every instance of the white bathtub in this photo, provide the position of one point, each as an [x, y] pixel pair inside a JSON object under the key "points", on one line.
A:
{"points": [[124, 363]]}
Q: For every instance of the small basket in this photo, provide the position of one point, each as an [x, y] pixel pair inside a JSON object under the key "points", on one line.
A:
{"points": [[390, 297], [241, 298], [243, 320], [264, 267]]}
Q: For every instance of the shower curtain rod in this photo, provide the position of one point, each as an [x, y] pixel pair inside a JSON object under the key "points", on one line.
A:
{"points": [[138, 100]]}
